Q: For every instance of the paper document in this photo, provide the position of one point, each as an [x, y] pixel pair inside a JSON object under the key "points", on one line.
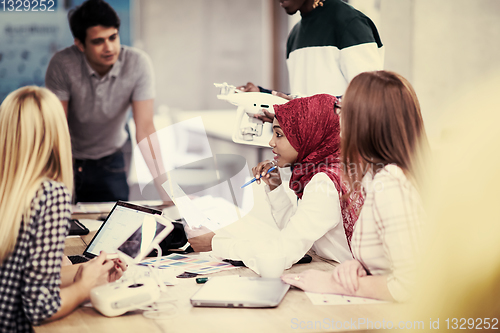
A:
{"points": [[332, 299], [220, 211], [207, 211], [193, 216]]}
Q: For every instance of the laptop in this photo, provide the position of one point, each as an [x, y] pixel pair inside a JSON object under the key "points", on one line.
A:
{"points": [[240, 292], [123, 221]]}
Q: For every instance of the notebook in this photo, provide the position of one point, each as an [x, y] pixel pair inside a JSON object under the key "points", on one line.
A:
{"points": [[122, 222], [240, 292]]}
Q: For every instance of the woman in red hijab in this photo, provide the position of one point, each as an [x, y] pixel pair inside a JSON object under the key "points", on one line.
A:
{"points": [[307, 139]]}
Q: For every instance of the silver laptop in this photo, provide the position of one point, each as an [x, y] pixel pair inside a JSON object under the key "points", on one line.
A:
{"points": [[240, 292]]}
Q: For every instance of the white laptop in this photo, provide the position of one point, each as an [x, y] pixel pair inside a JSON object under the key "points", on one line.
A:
{"points": [[240, 292], [130, 230]]}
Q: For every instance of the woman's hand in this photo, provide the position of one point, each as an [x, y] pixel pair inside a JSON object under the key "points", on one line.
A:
{"points": [[98, 271], [273, 178], [66, 261], [283, 95], [199, 238], [267, 117], [314, 281], [116, 272], [347, 274]]}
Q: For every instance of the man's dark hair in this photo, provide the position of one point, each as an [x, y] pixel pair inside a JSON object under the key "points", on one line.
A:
{"points": [[89, 14]]}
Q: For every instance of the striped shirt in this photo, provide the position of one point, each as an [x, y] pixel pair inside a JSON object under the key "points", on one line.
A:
{"points": [[386, 238]]}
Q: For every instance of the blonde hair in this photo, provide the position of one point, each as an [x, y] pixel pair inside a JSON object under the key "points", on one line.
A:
{"points": [[35, 146]]}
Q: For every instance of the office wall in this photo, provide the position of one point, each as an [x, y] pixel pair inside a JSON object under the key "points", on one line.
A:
{"points": [[456, 46], [444, 47], [198, 42]]}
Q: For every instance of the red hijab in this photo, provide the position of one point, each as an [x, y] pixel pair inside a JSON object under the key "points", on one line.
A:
{"points": [[312, 127]]}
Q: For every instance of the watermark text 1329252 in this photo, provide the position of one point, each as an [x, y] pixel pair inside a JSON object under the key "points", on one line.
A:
{"points": [[28, 5]]}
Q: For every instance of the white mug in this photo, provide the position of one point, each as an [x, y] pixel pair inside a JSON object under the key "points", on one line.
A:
{"points": [[267, 265]]}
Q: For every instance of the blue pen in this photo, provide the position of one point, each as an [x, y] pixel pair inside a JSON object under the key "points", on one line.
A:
{"points": [[254, 179]]}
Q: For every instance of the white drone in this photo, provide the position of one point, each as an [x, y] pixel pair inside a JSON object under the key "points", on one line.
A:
{"points": [[250, 130]]}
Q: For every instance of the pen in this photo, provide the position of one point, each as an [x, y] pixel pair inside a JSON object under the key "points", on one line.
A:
{"points": [[254, 179]]}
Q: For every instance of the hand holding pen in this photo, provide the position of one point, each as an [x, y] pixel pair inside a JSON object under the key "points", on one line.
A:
{"points": [[267, 171]]}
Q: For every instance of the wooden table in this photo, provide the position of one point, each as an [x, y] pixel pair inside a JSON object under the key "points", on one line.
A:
{"points": [[295, 313]]}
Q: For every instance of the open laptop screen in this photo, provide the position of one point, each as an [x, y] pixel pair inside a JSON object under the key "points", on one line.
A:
{"points": [[123, 220], [141, 239]]}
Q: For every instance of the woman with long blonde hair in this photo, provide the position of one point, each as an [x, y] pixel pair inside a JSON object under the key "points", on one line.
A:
{"points": [[36, 181], [383, 137]]}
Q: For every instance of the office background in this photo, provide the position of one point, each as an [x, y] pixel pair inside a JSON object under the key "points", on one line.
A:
{"points": [[444, 47], [29, 38]]}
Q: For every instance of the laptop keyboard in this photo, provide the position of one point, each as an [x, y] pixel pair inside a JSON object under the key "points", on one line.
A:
{"points": [[78, 259]]}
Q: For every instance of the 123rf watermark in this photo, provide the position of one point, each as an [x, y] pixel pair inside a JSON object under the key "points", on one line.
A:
{"points": [[365, 323]]}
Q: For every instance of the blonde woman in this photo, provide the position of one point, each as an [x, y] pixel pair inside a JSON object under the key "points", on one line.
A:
{"points": [[36, 180]]}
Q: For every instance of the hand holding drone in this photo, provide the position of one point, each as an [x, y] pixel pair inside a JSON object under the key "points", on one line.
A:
{"points": [[250, 130]]}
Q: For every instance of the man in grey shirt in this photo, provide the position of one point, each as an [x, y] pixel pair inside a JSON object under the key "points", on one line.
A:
{"points": [[97, 80]]}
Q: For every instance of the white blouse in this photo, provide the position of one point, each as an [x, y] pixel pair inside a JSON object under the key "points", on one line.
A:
{"points": [[386, 237], [315, 222]]}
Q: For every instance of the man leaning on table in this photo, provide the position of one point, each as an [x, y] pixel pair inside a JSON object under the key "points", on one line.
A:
{"points": [[97, 80]]}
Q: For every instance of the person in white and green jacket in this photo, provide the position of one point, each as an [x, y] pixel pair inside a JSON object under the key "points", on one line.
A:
{"points": [[330, 45]]}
